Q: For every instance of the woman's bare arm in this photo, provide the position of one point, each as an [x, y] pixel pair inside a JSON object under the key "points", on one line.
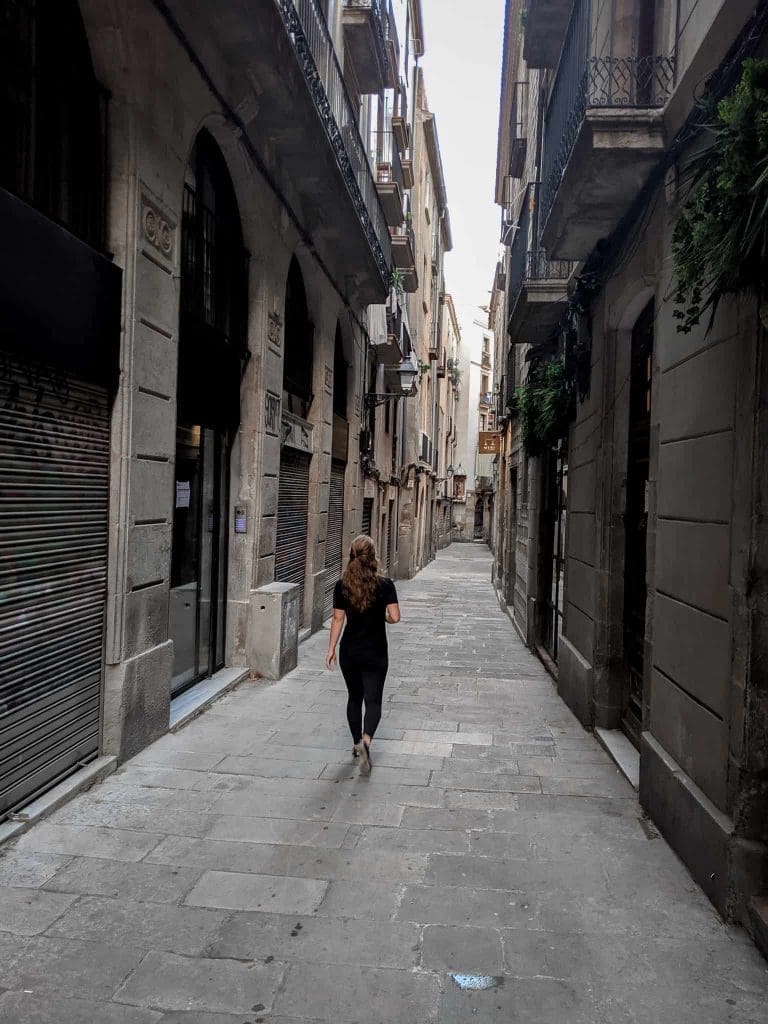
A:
{"points": [[337, 624], [393, 613]]}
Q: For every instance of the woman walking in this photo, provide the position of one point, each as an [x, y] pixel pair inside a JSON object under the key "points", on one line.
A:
{"points": [[367, 601]]}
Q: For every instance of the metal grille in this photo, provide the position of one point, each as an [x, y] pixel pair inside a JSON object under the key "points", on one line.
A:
{"points": [[54, 489], [292, 521], [214, 271], [308, 32], [334, 543], [585, 80], [385, 157], [553, 546]]}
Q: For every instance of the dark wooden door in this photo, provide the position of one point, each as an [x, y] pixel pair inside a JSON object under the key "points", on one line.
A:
{"points": [[636, 522]]}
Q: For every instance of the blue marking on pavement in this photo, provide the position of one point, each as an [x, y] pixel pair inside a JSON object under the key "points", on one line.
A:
{"points": [[476, 982]]}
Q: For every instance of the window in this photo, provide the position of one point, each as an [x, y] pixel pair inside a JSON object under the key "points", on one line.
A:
{"points": [[54, 115], [482, 421]]}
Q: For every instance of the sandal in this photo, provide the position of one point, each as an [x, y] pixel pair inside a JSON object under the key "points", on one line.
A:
{"points": [[365, 754]]}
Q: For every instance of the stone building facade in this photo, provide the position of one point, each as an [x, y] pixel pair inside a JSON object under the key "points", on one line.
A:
{"points": [[629, 547], [423, 423], [209, 207]]}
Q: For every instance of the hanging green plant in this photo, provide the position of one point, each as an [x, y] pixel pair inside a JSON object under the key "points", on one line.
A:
{"points": [[545, 404], [398, 281], [720, 242]]}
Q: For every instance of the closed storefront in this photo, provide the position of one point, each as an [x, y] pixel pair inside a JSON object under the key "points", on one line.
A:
{"points": [[292, 519], [54, 489]]}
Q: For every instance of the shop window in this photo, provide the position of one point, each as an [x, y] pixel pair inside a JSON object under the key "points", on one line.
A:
{"points": [[54, 114]]}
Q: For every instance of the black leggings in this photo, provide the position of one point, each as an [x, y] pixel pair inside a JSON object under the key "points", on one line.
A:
{"points": [[364, 683]]}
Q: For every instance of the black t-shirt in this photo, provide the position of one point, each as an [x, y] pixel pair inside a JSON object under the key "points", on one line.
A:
{"points": [[365, 636]]}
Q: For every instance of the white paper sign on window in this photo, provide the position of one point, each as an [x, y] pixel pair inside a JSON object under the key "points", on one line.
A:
{"points": [[183, 493]]}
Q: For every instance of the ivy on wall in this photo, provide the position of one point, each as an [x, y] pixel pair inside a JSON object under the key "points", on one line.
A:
{"points": [[545, 405], [720, 242]]}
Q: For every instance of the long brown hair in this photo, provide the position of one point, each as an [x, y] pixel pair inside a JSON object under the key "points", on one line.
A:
{"points": [[360, 579]]}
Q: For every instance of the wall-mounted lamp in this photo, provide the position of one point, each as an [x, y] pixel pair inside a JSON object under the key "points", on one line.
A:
{"points": [[407, 372]]}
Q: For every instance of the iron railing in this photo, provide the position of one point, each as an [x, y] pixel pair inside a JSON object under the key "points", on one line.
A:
{"points": [[385, 158], [306, 27], [539, 267], [380, 20], [585, 80]]}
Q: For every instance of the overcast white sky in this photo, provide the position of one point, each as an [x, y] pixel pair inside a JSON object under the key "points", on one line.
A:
{"points": [[462, 72]]}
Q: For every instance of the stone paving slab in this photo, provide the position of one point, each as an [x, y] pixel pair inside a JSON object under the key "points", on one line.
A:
{"points": [[243, 871]]}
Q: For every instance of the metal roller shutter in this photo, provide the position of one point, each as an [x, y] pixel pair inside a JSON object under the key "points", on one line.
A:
{"points": [[54, 490], [367, 516], [335, 539], [292, 520]]}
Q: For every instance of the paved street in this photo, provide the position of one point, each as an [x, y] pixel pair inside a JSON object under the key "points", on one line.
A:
{"points": [[495, 867]]}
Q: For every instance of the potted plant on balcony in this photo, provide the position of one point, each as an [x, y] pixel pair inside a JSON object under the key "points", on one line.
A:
{"points": [[545, 404], [398, 281]]}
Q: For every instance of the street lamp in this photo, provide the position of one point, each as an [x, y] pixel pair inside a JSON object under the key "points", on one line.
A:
{"points": [[407, 372]]}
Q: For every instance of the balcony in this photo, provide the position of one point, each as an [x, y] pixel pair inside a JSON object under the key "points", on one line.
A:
{"points": [[367, 30], [391, 349], [538, 296], [603, 133], [407, 169], [389, 176], [402, 131], [486, 399], [485, 360], [545, 25], [404, 256]]}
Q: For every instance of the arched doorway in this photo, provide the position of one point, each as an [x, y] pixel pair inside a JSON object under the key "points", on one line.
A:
{"points": [[212, 347], [60, 301], [334, 543], [296, 450]]}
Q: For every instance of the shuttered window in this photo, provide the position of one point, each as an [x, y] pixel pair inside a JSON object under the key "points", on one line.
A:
{"points": [[54, 488], [292, 520]]}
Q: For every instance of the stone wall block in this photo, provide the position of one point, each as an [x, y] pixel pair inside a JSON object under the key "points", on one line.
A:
{"points": [[694, 649], [696, 478], [149, 554], [693, 736], [151, 490], [692, 564], [137, 699], [153, 426]]}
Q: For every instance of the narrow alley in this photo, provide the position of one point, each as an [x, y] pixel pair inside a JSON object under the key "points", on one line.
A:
{"points": [[494, 867]]}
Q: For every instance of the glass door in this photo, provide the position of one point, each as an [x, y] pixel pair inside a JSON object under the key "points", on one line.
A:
{"points": [[199, 554]]}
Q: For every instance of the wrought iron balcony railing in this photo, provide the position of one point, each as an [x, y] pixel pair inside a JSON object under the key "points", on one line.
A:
{"points": [[539, 267], [385, 158], [306, 27], [585, 80]]}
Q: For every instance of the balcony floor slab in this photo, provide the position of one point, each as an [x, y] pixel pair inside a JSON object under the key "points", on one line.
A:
{"points": [[614, 153]]}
